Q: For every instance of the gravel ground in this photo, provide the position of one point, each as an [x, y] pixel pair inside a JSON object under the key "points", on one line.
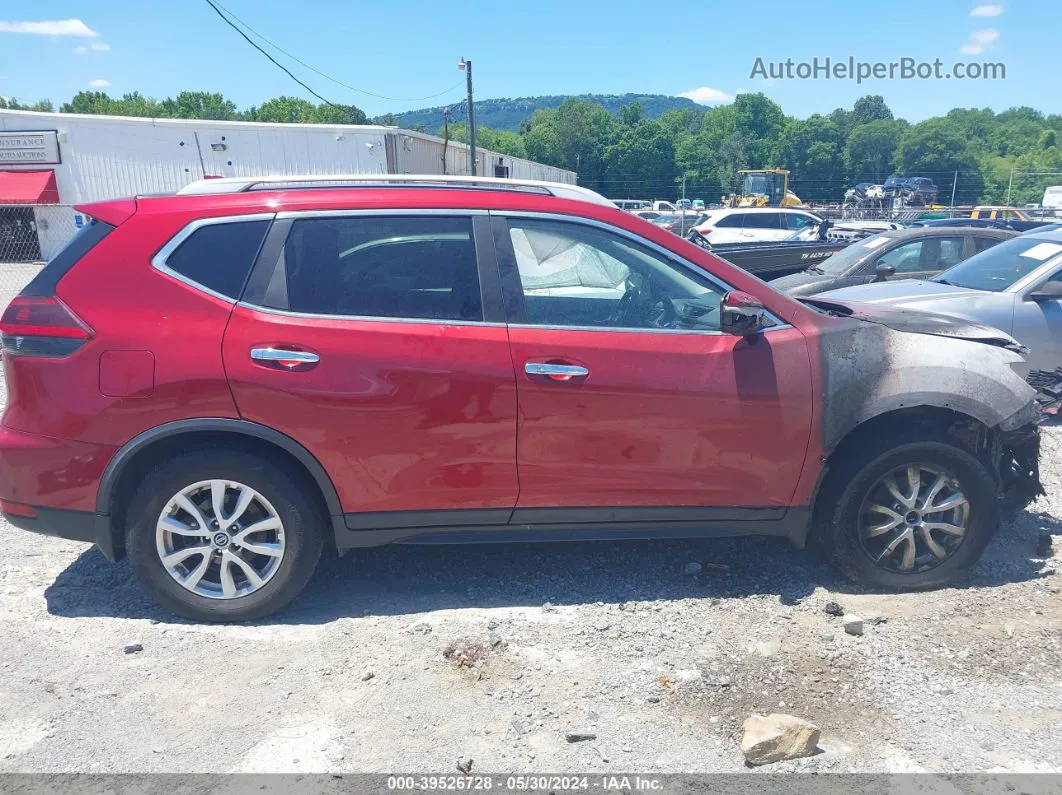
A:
{"points": [[412, 658]]}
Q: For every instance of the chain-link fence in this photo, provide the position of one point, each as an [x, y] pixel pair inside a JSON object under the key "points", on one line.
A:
{"points": [[35, 232]]}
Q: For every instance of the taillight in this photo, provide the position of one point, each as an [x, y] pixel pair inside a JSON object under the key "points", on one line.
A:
{"points": [[42, 326]]}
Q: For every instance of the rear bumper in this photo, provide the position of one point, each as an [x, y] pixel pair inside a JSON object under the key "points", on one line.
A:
{"points": [[59, 479], [91, 528]]}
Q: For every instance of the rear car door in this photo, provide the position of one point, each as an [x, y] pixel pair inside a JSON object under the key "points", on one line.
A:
{"points": [[370, 338], [920, 259], [630, 396]]}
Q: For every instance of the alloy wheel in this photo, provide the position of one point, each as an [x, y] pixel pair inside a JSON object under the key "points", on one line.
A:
{"points": [[913, 518], [220, 539]]}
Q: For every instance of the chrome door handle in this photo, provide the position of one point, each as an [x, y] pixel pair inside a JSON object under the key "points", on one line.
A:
{"points": [[557, 372], [284, 357]]}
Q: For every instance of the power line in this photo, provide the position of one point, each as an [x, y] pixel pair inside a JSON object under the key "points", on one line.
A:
{"points": [[270, 57], [338, 82]]}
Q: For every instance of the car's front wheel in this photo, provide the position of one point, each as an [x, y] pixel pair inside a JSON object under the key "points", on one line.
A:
{"points": [[911, 515], [216, 535]]}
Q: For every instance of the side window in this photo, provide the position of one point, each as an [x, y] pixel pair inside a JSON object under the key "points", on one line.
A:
{"points": [[796, 221], [377, 266], [950, 253], [762, 221], [903, 258], [731, 221], [219, 256], [577, 275], [983, 243]]}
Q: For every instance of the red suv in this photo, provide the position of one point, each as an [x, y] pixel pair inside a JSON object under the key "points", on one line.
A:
{"points": [[220, 384]]}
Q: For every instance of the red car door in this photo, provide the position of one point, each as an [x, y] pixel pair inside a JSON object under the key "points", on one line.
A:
{"points": [[630, 396], [363, 337]]}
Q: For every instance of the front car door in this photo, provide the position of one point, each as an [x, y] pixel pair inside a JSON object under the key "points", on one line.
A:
{"points": [[630, 396], [1038, 323], [920, 259], [367, 338]]}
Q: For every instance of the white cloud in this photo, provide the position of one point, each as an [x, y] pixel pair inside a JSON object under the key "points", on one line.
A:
{"points": [[980, 41], [96, 46], [51, 27], [987, 11], [706, 95], [99, 83]]}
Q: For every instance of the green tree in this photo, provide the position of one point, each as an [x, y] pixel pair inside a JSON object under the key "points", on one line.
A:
{"points": [[631, 114], [758, 122], [870, 108], [812, 150], [284, 110], [933, 149], [199, 105], [41, 106], [337, 114], [869, 150], [641, 160]]}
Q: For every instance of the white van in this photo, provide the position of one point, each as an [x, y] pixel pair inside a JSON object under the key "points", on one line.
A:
{"points": [[1052, 198]]}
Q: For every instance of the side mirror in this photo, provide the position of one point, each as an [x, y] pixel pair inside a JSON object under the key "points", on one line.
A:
{"points": [[1048, 291], [741, 314], [884, 271]]}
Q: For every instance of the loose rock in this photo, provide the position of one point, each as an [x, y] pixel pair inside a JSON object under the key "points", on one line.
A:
{"points": [[421, 629], [853, 624], [774, 738], [578, 737], [365, 677], [833, 609], [133, 648]]}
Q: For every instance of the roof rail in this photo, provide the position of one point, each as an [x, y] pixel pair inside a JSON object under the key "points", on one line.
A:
{"points": [[223, 185]]}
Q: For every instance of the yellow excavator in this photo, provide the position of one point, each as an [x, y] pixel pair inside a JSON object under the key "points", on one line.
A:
{"points": [[763, 187]]}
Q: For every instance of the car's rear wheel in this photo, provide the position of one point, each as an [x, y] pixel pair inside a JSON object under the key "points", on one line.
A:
{"points": [[912, 515], [222, 536]]}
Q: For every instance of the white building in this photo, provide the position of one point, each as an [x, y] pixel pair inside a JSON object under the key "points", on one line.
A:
{"points": [[50, 161]]}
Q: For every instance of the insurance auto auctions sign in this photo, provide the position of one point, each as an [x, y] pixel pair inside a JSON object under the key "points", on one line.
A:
{"points": [[29, 148]]}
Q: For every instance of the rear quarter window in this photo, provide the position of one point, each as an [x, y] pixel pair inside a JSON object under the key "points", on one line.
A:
{"points": [[217, 256]]}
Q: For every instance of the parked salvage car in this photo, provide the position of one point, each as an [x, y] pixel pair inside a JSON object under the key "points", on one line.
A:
{"points": [[915, 253], [256, 368], [770, 260], [755, 224], [1015, 286]]}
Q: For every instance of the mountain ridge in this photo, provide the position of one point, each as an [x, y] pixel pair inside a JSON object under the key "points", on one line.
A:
{"points": [[508, 113]]}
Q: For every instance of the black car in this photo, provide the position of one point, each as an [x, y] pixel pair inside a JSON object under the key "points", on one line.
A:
{"points": [[920, 190], [914, 253]]}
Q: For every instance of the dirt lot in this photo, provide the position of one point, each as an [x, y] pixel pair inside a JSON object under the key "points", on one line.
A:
{"points": [[412, 658]]}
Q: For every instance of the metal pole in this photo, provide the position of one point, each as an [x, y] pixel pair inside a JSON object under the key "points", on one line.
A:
{"points": [[1009, 186], [682, 222], [471, 121], [954, 182]]}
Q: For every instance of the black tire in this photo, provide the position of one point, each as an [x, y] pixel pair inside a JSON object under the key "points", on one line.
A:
{"points": [[302, 524], [854, 477]]}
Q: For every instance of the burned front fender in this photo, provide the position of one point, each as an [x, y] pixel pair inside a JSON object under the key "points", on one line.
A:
{"points": [[869, 369]]}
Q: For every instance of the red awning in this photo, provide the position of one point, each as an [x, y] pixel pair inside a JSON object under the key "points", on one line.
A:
{"points": [[28, 187]]}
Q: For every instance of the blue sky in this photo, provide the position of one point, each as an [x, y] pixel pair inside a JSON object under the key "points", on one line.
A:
{"points": [[408, 49]]}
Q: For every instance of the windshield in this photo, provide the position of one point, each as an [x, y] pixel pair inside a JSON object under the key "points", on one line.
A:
{"points": [[999, 267], [847, 258]]}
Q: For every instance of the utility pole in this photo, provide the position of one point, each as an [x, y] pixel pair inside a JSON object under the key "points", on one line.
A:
{"points": [[466, 66], [954, 182], [682, 222], [1009, 186]]}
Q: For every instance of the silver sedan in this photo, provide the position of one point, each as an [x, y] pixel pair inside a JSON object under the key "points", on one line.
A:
{"points": [[1015, 286]]}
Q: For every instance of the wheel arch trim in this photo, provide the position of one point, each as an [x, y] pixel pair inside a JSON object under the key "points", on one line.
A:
{"points": [[117, 464]]}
